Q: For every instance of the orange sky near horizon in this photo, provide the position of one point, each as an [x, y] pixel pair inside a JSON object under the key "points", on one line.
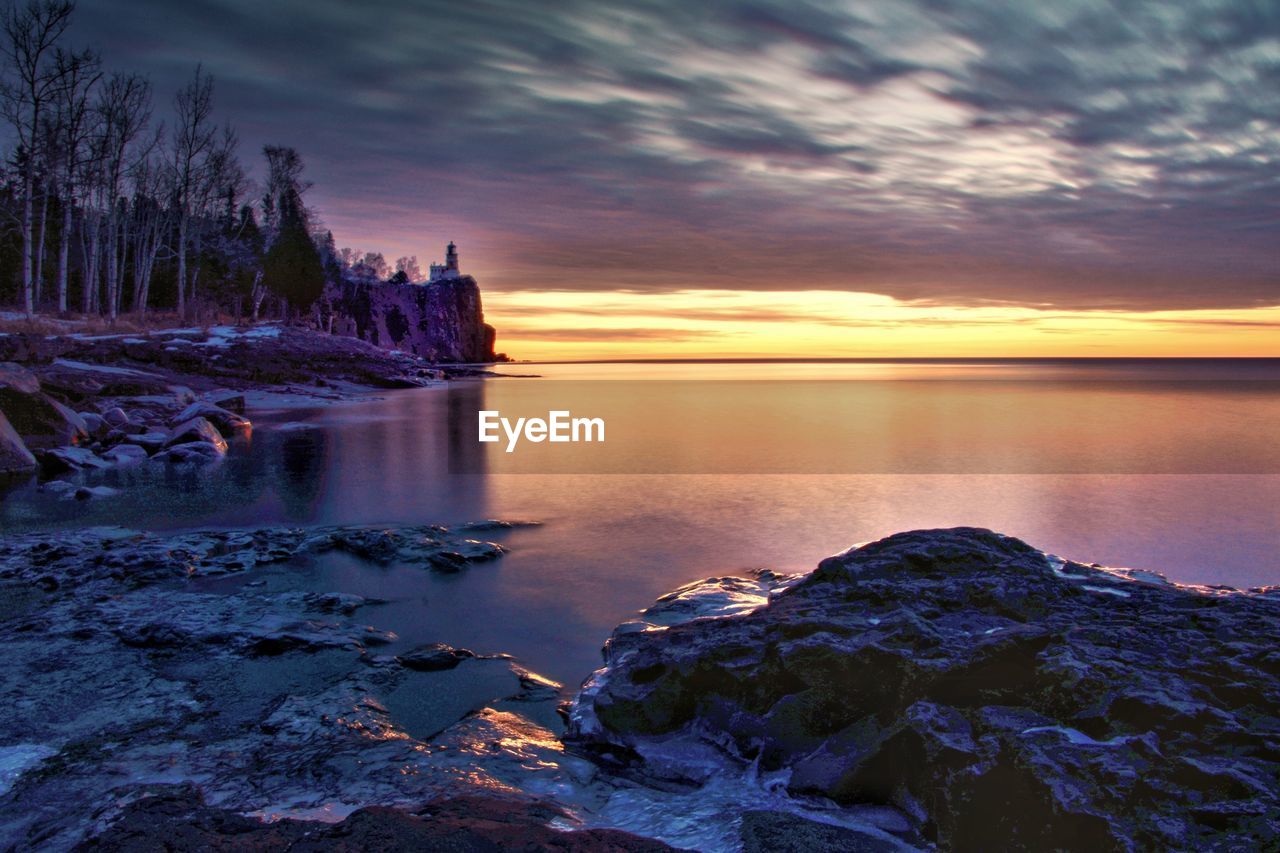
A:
{"points": [[580, 325]]}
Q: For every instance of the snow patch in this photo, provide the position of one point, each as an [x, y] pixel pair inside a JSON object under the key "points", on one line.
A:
{"points": [[1078, 737], [102, 368], [1109, 590]]}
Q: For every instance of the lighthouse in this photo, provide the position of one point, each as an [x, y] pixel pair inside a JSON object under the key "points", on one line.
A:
{"points": [[449, 269]]}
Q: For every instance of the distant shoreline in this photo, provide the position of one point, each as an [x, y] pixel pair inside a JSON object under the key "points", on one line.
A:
{"points": [[1216, 359]]}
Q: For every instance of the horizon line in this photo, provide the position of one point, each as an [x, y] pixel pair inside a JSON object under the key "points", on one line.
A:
{"points": [[898, 359]]}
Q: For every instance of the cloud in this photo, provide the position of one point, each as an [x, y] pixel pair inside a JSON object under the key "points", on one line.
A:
{"points": [[608, 334], [1078, 154]]}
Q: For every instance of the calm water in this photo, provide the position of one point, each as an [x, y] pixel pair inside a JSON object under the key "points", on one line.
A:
{"points": [[1165, 466]]}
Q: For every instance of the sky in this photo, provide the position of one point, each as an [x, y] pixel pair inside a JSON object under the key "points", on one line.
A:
{"points": [[664, 178]]}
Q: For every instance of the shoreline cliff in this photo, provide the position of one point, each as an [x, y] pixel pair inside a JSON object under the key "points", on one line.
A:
{"points": [[441, 321]]}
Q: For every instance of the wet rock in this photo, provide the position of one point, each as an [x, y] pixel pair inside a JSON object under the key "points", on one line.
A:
{"points": [[226, 422], [197, 430], [191, 453], [468, 823], [434, 657], [232, 401], [146, 558], [1001, 697], [15, 458], [86, 493], [125, 454], [493, 524], [345, 603], [60, 460]]}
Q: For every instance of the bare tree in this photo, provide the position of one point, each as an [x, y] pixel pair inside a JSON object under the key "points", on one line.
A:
{"points": [[151, 221], [73, 127], [284, 177], [193, 138], [409, 266], [220, 185], [31, 33], [124, 109]]}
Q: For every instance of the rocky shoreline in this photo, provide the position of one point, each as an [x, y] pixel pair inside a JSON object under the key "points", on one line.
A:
{"points": [[992, 696], [83, 402], [953, 689]]}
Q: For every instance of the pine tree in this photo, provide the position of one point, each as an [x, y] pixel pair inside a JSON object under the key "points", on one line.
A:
{"points": [[293, 269]]}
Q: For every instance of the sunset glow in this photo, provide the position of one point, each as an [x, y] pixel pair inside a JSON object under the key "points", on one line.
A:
{"points": [[835, 324]]}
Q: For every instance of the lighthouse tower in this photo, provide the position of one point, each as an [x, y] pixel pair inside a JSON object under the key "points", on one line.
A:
{"points": [[449, 269]]}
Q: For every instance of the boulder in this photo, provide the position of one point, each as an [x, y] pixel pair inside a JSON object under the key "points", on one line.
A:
{"points": [[15, 458], [17, 379], [228, 423], [148, 441], [71, 386], [95, 424], [125, 454], [116, 417], [42, 421], [232, 401], [60, 460], [998, 697], [434, 657], [197, 430], [86, 493], [191, 452]]}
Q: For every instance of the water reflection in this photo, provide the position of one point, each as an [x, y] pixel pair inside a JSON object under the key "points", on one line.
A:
{"points": [[611, 544], [301, 471]]}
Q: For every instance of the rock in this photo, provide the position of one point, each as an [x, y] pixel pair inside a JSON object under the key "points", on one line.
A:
{"points": [[125, 454], [232, 401], [95, 424], [116, 417], [345, 603], [15, 458], [197, 430], [780, 832], [42, 421], [494, 524], [466, 823], [191, 452], [434, 657], [1000, 697], [60, 460], [227, 423], [70, 386], [148, 441], [16, 379], [442, 321], [85, 493]]}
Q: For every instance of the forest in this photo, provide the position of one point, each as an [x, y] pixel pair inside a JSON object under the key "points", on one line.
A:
{"points": [[114, 205]]}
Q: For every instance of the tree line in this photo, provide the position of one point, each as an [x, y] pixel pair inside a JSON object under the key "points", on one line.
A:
{"points": [[106, 209]]}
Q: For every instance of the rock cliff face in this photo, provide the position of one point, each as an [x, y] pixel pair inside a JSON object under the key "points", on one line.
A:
{"points": [[443, 321], [998, 697]]}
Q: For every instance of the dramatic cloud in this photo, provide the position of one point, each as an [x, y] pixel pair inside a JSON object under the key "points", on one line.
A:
{"points": [[1072, 155]]}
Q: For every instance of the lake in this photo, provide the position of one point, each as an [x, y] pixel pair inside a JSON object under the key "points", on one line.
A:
{"points": [[717, 468]]}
